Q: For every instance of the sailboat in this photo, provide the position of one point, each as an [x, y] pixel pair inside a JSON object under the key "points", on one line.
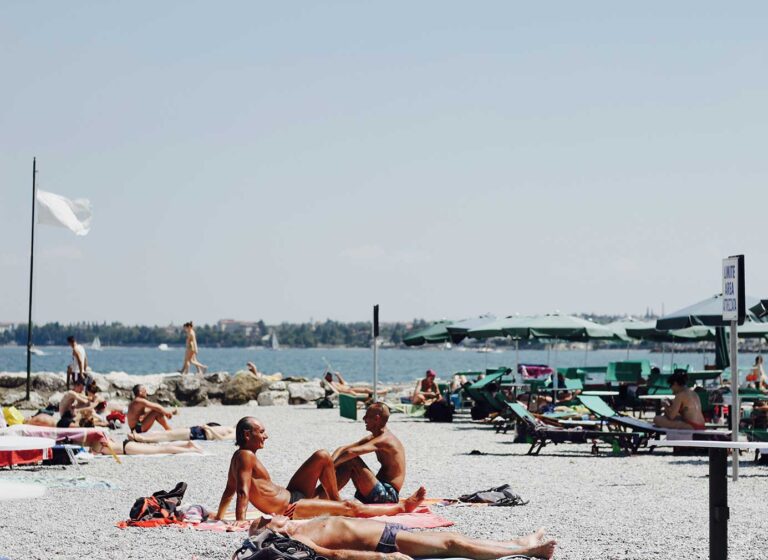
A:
{"points": [[273, 343], [163, 347], [96, 344]]}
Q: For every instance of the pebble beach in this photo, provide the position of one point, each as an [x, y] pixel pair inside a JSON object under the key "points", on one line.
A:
{"points": [[645, 506]]}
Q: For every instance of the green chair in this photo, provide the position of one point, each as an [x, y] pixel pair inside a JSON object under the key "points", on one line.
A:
{"points": [[628, 371], [348, 406]]}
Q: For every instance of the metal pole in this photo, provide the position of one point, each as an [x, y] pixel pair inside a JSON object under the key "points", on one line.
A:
{"points": [[586, 353], [718, 504], [31, 270], [375, 333], [517, 359], [735, 408]]}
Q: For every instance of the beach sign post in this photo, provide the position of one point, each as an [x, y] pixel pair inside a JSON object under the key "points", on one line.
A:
{"points": [[375, 333], [734, 312]]}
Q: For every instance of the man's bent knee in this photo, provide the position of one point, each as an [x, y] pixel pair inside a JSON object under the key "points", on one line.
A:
{"points": [[322, 455]]}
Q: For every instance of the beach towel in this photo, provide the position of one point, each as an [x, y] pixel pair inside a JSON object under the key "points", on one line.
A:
{"points": [[74, 435], [421, 518]]}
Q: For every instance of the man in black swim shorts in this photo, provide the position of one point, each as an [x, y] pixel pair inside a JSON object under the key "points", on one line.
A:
{"points": [[383, 487], [356, 539]]}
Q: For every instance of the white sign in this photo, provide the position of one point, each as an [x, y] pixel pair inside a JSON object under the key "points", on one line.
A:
{"points": [[731, 289]]}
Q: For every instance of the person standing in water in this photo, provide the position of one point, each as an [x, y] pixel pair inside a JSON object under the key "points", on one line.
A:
{"points": [[190, 354]]}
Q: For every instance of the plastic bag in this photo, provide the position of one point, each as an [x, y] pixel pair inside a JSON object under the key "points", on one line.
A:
{"points": [[13, 416]]}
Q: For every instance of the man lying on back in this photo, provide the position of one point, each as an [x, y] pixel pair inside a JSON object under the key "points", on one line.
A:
{"points": [[249, 480], [339, 538]]}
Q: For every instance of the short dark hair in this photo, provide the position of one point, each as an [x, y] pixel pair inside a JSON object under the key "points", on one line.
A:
{"points": [[381, 409], [680, 377], [70, 339], [137, 389], [243, 425]]}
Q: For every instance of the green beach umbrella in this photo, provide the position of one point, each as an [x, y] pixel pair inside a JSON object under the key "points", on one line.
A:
{"points": [[433, 334], [459, 330], [498, 327], [564, 327], [708, 312]]}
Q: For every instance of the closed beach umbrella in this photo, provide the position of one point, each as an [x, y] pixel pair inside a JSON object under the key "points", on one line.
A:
{"points": [[433, 334]]}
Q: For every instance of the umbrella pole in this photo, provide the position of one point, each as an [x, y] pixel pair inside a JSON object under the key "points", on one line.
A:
{"points": [[672, 358], [735, 408], [628, 343], [586, 353], [517, 358]]}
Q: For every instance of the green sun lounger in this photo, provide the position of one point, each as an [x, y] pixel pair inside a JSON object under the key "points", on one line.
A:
{"points": [[620, 422], [540, 434]]}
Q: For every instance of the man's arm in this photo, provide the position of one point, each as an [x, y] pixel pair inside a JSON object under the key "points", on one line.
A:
{"points": [[349, 452], [154, 406], [226, 498], [244, 468], [332, 554], [673, 410]]}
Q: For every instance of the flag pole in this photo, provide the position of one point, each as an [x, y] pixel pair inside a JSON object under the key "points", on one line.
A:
{"points": [[31, 270]]}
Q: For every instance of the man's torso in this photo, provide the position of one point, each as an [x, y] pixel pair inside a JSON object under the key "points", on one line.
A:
{"points": [[340, 533], [263, 493], [391, 457], [690, 407]]}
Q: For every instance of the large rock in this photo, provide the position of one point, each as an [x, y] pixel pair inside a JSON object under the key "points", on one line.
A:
{"points": [[278, 386], [16, 397], [55, 398], [242, 388], [305, 392], [217, 377], [190, 390], [273, 398], [12, 381], [126, 382], [49, 382]]}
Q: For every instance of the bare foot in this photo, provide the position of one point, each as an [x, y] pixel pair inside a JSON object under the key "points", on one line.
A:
{"points": [[544, 550], [414, 501], [193, 445], [530, 540]]}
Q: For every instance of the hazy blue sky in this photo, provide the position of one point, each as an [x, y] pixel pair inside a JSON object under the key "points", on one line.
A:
{"points": [[293, 160]]}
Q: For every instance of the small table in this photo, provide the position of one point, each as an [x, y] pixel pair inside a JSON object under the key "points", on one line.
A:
{"points": [[718, 488]]}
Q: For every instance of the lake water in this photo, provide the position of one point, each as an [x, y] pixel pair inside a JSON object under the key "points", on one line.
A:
{"points": [[395, 365]]}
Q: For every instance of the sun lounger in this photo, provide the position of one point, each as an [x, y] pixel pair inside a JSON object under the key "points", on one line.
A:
{"points": [[540, 434], [620, 422]]}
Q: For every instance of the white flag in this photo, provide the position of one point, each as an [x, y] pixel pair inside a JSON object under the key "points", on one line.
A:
{"points": [[56, 210]]}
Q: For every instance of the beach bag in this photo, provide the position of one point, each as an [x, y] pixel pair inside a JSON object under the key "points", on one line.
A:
{"points": [[324, 402], [268, 545], [160, 505], [13, 416], [499, 496], [439, 411]]}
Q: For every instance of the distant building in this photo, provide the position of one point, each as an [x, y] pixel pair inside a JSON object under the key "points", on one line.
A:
{"points": [[6, 327], [247, 328]]}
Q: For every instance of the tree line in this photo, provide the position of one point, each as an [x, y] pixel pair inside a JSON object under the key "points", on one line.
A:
{"points": [[299, 335]]}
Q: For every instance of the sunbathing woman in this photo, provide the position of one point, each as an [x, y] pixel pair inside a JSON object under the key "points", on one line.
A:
{"points": [[210, 432], [129, 447]]}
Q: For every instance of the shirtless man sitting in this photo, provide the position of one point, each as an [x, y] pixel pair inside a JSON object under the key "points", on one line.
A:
{"points": [[142, 413], [250, 481], [384, 486], [73, 401], [684, 413], [340, 538]]}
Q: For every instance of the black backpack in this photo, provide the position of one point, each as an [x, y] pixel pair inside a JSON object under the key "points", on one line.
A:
{"points": [[161, 504], [268, 545], [439, 411]]}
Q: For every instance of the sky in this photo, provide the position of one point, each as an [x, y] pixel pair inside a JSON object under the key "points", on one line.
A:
{"points": [[290, 161]]}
